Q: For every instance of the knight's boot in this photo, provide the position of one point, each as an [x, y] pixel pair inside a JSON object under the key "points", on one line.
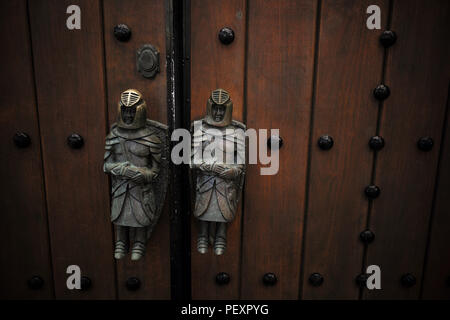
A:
{"points": [[220, 241], [202, 239], [140, 239], [121, 245]]}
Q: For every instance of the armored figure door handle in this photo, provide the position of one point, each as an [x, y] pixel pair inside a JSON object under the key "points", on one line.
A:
{"points": [[136, 158], [218, 179]]}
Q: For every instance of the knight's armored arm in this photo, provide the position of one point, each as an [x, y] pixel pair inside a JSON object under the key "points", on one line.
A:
{"points": [[201, 165], [147, 174], [116, 168], [208, 167], [232, 171], [155, 152], [112, 167], [151, 173]]}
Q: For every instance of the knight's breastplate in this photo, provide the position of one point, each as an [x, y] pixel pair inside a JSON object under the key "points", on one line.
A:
{"points": [[133, 152], [224, 149]]}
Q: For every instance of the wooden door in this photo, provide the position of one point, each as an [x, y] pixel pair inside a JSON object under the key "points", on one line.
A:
{"points": [[310, 69], [306, 67]]}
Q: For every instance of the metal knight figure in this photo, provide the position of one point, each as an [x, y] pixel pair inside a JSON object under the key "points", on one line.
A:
{"points": [[136, 158], [218, 183]]}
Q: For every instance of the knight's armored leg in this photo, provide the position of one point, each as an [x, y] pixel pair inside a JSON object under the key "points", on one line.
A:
{"points": [[140, 240], [220, 242], [202, 240], [121, 246], [211, 232]]}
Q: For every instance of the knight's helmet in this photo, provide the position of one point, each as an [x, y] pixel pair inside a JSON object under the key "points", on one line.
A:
{"points": [[132, 102], [219, 97]]}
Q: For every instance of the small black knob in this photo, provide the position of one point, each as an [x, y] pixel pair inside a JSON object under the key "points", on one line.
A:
{"points": [[376, 143], [222, 278], [425, 143], [315, 279], [388, 38], [270, 279], [75, 141], [274, 140], [133, 283], [226, 35], [447, 282], [35, 283], [325, 142], [21, 139], [122, 32], [372, 191], [361, 280], [86, 283], [381, 92], [408, 280], [367, 236]]}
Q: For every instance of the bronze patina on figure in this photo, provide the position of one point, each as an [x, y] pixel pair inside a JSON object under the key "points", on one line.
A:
{"points": [[136, 157], [218, 167]]}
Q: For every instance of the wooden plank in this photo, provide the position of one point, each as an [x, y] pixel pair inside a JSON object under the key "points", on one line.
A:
{"points": [[279, 88], [349, 66], [147, 23], [437, 269], [71, 98], [215, 65], [417, 72], [25, 245]]}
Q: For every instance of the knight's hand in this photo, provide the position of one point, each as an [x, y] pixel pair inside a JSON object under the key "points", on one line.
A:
{"points": [[230, 173], [220, 168], [152, 175], [227, 174], [116, 169], [148, 174], [130, 172], [138, 178], [205, 167]]}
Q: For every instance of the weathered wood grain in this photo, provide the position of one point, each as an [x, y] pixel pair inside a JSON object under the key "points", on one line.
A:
{"points": [[279, 89], [417, 73], [71, 98], [437, 271], [25, 245], [349, 66]]}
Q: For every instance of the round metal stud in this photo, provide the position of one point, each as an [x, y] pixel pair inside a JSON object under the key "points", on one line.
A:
{"points": [[381, 92], [361, 280], [35, 282], [75, 141], [388, 38], [122, 32], [367, 236], [372, 191], [86, 283], [222, 278], [315, 279], [425, 143], [376, 143], [276, 140], [133, 283], [408, 280], [325, 142], [21, 139], [270, 279], [226, 35]]}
